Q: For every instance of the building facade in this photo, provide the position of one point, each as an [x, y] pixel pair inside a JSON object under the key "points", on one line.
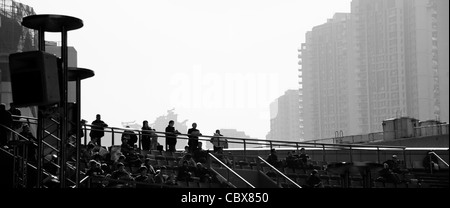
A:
{"points": [[327, 72], [14, 38], [385, 59], [284, 118]]}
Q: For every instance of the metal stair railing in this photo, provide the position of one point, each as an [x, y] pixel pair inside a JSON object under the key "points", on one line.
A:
{"points": [[431, 162], [229, 170], [38, 159], [279, 173]]}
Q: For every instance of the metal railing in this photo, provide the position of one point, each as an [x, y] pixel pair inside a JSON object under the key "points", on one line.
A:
{"points": [[43, 158], [229, 170], [421, 131], [431, 162], [279, 173]]}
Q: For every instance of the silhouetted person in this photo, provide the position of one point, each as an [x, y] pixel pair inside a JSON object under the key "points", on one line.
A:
{"points": [[303, 159], [6, 120], [171, 137], [291, 160], [15, 112], [430, 161], [199, 154], [273, 158], [193, 138], [131, 137], [395, 166], [32, 148], [97, 130], [146, 136], [218, 141], [313, 180], [132, 157], [386, 175], [184, 172]]}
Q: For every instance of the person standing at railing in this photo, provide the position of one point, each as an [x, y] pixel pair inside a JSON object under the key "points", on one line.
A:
{"points": [[6, 120], [97, 130], [146, 134], [171, 137], [193, 138], [218, 141]]}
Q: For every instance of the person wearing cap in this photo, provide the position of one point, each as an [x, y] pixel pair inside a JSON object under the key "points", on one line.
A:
{"points": [[187, 157], [394, 165], [143, 177], [313, 180], [121, 173]]}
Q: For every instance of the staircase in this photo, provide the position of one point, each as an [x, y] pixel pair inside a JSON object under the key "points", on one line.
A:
{"points": [[439, 179]]}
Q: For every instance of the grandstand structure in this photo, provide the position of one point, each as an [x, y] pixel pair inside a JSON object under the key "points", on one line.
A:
{"points": [[59, 152], [340, 164]]}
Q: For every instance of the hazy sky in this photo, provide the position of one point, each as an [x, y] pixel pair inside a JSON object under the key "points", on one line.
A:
{"points": [[218, 63]]}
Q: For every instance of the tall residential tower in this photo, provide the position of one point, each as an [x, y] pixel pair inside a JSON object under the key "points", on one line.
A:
{"points": [[385, 59]]}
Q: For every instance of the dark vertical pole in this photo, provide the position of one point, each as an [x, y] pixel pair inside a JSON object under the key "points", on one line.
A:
{"points": [[85, 133], [245, 148], [324, 153], [64, 106], [15, 171], [40, 128], [41, 39], [351, 154], [78, 127], [112, 136], [378, 154]]}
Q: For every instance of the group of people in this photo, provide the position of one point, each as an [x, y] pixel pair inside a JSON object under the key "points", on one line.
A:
{"points": [[293, 160], [150, 138]]}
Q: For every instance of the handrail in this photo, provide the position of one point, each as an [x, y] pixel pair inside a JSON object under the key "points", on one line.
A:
{"points": [[442, 160], [106, 178], [34, 144], [221, 178], [279, 172], [255, 141], [243, 140], [15, 132], [51, 135], [231, 170]]}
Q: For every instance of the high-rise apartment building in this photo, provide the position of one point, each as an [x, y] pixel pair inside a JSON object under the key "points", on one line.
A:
{"points": [[385, 59], [327, 74], [284, 114]]}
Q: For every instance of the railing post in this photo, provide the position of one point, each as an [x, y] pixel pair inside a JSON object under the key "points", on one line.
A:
{"points": [[140, 139], [378, 154], [324, 152], [245, 148], [351, 154], [431, 162], [112, 136], [336, 135], [85, 134]]}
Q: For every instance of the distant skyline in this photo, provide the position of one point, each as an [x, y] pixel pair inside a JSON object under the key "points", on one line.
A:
{"points": [[218, 63]]}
